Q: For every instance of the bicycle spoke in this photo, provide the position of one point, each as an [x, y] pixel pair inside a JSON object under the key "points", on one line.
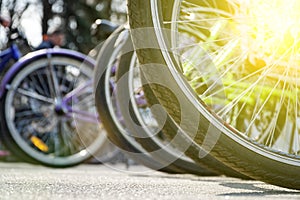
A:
{"points": [[78, 90], [52, 78], [222, 45], [30, 94], [34, 84], [44, 84], [69, 138]]}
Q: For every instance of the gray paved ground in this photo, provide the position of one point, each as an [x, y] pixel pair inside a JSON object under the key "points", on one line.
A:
{"points": [[23, 181]]}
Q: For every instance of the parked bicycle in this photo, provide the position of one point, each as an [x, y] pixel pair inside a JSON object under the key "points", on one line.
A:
{"points": [[47, 106]]}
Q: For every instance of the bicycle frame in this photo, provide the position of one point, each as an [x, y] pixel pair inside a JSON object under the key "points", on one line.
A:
{"points": [[12, 53]]}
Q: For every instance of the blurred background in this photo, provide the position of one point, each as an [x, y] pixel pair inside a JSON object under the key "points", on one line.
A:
{"points": [[78, 19]]}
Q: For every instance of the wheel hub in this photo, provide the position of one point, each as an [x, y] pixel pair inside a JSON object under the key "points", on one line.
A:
{"points": [[61, 109]]}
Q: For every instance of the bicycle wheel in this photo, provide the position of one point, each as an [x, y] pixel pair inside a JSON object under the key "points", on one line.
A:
{"points": [[139, 120], [107, 105], [235, 77], [48, 114]]}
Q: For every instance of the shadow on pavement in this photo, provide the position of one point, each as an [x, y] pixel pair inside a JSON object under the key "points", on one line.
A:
{"points": [[253, 190]]}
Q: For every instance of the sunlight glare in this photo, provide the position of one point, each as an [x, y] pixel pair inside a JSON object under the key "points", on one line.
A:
{"points": [[272, 27]]}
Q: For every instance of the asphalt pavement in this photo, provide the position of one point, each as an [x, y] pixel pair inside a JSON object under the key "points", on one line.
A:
{"points": [[25, 181]]}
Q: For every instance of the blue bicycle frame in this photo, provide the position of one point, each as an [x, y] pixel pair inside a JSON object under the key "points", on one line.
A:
{"points": [[12, 53]]}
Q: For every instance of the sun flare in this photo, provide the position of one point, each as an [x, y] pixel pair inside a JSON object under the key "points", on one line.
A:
{"points": [[270, 29]]}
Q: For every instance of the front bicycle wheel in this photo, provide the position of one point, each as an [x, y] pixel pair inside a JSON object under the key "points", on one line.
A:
{"points": [[231, 70], [48, 114]]}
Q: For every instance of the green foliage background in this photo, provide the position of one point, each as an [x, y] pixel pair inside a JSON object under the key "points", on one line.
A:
{"points": [[75, 17]]}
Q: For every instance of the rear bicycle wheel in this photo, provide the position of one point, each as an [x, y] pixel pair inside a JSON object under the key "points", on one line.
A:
{"points": [[243, 95], [48, 114], [143, 125], [108, 107]]}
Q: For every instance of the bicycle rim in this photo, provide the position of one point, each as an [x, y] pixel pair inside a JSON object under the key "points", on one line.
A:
{"points": [[249, 105], [142, 123], [43, 127], [107, 104]]}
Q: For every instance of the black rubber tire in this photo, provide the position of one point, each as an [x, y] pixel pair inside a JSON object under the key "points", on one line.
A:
{"points": [[115, 133], [236, 151], [152, 56], [159, 151]]}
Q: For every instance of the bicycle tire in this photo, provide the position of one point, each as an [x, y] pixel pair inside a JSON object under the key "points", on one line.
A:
{"points": [[231, 148], [116, 131], [160, 149], [47, 132], [170, 128]]}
